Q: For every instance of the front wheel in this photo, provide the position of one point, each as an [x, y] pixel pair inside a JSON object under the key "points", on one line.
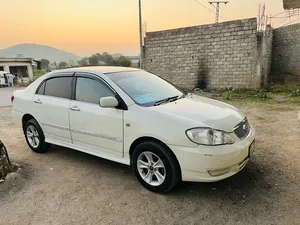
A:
{"points": [[155, 167]]}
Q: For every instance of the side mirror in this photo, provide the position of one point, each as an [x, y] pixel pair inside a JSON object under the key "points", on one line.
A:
{"points": [[109, 102]]}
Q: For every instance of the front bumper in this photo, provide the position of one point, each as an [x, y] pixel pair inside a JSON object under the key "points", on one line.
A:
{"points": [[213, 163]]}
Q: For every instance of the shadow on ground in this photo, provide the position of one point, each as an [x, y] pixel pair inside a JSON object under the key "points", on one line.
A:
{"points": [[248, 185]]}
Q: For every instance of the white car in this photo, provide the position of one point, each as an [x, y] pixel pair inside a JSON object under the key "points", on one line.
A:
{"points": [[133, 117]]}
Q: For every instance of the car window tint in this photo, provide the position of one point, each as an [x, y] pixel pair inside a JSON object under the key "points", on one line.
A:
{"points": [[88, 90], [59, 87], [41, 89]]}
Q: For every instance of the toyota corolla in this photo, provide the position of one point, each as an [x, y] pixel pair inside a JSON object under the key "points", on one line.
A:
{"points": [[136, 118]]}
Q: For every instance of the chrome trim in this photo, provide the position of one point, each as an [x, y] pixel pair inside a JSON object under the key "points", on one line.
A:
{"points": [[56, 126], [96, 135]]}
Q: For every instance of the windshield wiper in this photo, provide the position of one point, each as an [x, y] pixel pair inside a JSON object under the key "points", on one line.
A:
{"points": [[170, 99]]}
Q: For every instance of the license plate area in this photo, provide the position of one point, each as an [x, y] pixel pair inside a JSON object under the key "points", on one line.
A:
{"points": [[251, 149]]}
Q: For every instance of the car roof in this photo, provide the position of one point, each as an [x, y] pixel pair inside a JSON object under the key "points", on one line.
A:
{"points": [[100, 69]]}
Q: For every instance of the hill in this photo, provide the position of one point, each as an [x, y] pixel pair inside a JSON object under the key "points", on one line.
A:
{"points": [[38, 52]]}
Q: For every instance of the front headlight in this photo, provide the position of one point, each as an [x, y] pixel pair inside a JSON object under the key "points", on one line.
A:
{"points": [[208, 136]]}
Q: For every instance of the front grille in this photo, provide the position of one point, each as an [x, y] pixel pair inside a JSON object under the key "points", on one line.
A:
{"points": [[242, 129]]}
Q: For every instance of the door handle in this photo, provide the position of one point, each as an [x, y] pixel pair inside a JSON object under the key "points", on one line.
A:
{"points": [[75, 108], [38, 101]]}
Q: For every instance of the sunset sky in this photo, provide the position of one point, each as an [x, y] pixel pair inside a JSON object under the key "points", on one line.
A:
{"points": [[84, 27]]}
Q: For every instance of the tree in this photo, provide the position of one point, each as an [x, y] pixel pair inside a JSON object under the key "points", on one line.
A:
{"points": [[108, 59], [55, 65], [5, 164], [45, 63], [123, 61], [62, 65], [83, 62], [99, 57], [93, 60]]}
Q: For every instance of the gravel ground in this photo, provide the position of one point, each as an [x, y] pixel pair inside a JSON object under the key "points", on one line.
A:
{"points": [[70, 187]]}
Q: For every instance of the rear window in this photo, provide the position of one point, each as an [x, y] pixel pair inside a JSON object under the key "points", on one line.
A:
{"points": [[60, 87], [41, 89]]}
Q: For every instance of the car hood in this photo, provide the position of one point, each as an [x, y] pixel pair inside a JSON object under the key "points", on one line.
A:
{"points": [[202, 112]]}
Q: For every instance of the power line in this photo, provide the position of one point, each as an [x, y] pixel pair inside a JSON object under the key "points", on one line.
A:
{"points": [[282, 21], [279, 14], [288, 17], [291, 22], [278, 17], [205, 6], [208, 8]]}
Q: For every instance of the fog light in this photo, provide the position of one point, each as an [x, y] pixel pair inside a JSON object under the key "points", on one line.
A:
{"points": [[215, 173]]}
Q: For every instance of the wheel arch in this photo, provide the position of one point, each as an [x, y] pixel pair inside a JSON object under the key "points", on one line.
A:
{"points": [[147, 138], [25, 118]]}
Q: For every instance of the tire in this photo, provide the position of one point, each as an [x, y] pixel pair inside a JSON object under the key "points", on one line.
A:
{"points": [[36, 141], [155, 176]]}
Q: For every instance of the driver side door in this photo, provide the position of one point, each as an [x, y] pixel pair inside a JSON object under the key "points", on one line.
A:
{"points": [[94, 128]]}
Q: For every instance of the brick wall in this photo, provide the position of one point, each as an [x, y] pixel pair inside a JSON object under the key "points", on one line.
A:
{"points": [[286, 50], [219, 56]]}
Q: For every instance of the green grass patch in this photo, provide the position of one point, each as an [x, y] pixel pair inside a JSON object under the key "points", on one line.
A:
{"points": [[292, 90], [277, 97], [242, 96]]}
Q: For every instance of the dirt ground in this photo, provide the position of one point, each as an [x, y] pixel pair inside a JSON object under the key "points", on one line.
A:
{"points": [[68, 187]]}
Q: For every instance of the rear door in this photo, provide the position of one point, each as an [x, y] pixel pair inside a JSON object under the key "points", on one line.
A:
{"points": [[92, 127], [51, 107]]}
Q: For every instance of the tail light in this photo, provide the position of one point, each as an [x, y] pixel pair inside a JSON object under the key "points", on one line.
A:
{"points": [[12, 98]]}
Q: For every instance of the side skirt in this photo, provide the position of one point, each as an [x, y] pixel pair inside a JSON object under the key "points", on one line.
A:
{"points": [[124, 160]]}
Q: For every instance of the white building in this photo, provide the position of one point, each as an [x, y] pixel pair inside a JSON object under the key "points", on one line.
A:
{"points": [[20, 66]]}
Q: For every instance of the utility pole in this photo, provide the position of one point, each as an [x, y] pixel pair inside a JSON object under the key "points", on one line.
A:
{"points": [[141, 34], [216, 4]]}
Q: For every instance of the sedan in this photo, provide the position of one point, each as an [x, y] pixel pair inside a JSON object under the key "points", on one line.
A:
{"points": [[135, 118]]}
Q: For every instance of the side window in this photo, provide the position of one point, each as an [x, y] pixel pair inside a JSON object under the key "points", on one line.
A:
{"points": [[41, 89], [59, 87], [88, 90]]}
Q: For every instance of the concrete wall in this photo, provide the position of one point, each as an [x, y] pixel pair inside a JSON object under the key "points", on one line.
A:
{"points": [[220, 55], [286, 50]]}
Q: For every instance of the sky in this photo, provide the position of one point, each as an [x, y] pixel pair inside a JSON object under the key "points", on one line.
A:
{"points": [[84, 27]]}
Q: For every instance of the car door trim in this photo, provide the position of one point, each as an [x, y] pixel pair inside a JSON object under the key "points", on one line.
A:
{"points": [[55, 126], [97, 135]]}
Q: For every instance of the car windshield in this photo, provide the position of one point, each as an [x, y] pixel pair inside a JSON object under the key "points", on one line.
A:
{"points": [[145, 88]]}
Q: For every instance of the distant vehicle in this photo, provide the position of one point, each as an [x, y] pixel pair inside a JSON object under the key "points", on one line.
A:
{"points": [[133, 117], [3, 79]]}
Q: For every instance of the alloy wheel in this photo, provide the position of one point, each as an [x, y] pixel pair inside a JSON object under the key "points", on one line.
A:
{"points": [[151, 168], [32, 136]]}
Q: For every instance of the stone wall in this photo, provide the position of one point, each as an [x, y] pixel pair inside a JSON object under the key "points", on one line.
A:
{"points": [[218, 56], [286, 51]]}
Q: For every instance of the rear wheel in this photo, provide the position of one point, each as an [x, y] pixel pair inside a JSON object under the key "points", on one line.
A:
{"points": [[35, 137], [155, 167]]}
